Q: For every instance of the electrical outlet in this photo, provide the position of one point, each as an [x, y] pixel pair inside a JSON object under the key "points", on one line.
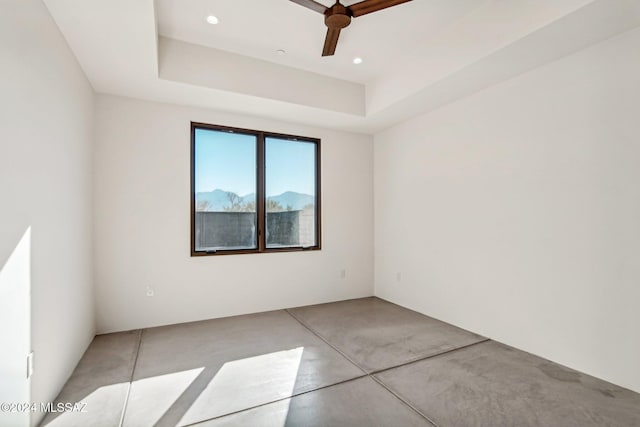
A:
{"points": [[150, 291]]}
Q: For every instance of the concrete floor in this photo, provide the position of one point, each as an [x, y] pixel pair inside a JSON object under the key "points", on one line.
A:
{"points": [[362, 362]]}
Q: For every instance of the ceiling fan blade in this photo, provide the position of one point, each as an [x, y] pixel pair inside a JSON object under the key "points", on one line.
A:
{"points": [[368, 6], [310, 4], [331, 41]]}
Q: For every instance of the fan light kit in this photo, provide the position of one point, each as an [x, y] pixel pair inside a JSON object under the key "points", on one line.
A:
{"points": [[338, 17], [213, 20]]}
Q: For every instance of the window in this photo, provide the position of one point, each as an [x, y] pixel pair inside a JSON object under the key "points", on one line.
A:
{"points": [[253, 191]]}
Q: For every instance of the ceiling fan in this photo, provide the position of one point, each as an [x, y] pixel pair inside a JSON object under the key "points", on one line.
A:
{"points": [[338, 16]]}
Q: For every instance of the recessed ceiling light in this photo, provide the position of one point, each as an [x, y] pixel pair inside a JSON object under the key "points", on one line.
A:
{"points": [[213, 20], [281, 52], [357, 60]]}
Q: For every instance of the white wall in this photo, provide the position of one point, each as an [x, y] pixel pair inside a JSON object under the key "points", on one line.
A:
{"points": [[142, 224], [46, 114], [515, 213]]}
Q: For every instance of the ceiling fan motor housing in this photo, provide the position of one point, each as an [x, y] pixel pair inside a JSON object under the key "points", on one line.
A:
{"points": [[337, 17]]}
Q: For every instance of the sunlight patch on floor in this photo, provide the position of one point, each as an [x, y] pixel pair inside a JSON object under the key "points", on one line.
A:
{"points": [[165, 389], [244, 383], [88, 410]]}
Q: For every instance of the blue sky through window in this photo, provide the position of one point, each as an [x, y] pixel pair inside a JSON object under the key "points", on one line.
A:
{"points": [[290, 166], [227, 161]]}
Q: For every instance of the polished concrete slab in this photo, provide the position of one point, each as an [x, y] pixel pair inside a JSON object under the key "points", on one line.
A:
{"points": [[490, 384], [196, 371], [100, 383], [357, 403], [269, 369], [377, 334]]}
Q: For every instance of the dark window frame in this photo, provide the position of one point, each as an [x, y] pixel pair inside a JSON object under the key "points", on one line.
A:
{"points": [[261, 137]]}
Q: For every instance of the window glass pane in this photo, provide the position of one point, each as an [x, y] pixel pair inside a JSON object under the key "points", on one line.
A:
{"points": [[225, 190], [290, 181]]}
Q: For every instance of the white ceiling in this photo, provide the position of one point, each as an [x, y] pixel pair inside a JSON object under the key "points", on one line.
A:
{"points": [[417, 56], [258, 28]]}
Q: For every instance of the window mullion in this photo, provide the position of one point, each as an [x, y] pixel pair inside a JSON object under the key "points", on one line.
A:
{"points": [[260, 198]]}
